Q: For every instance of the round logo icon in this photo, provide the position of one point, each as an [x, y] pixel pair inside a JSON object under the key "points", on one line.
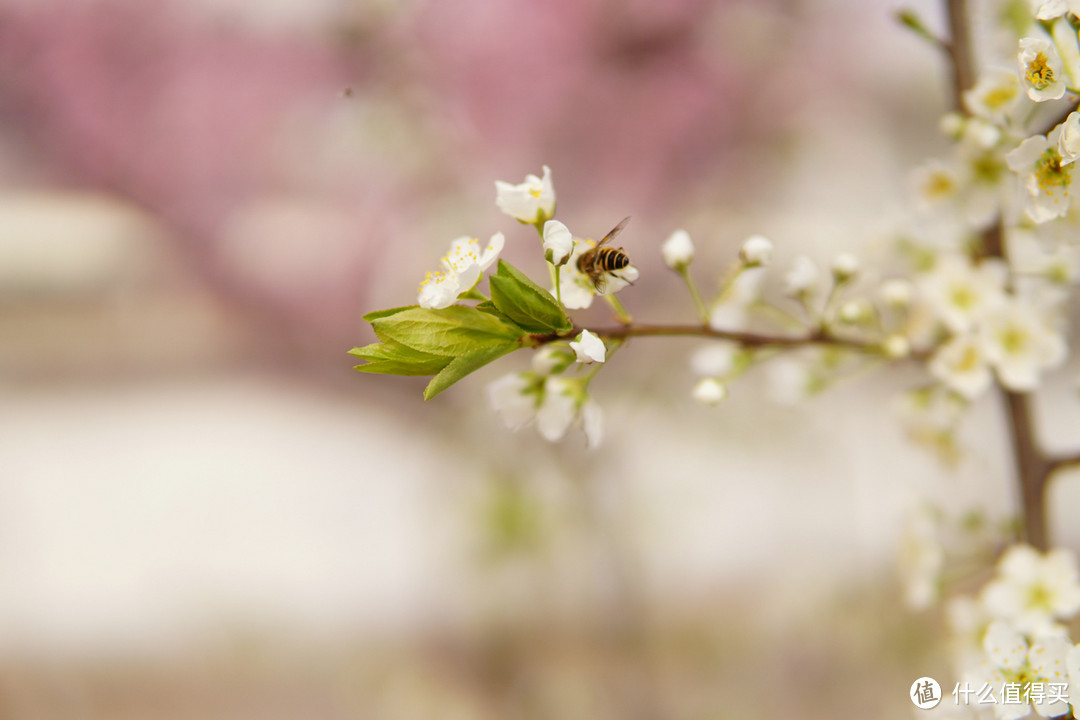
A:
{"points": [[925, 693]]}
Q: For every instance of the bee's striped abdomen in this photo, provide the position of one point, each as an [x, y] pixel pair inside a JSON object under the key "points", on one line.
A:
{"points": [[610, 259]]}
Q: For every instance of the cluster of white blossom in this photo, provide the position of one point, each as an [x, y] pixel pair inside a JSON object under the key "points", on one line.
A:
{"points": [[985, 308], [548, 395], [1009, 639]]}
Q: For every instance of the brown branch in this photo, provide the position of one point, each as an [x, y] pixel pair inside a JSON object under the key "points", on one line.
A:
{"points": [[959, 52], [1033, 468], [746, 339], [1062, 462], [622, 332]]}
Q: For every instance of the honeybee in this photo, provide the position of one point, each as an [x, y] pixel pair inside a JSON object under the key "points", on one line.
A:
{"points": [[598, 262]]}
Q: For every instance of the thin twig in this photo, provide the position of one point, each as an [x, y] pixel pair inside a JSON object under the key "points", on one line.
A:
{"points": [[1063, 462]]}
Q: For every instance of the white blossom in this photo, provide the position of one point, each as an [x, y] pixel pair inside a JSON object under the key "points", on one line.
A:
{"points": [[935, 184], [565, 402], [459, 271], [1020, 343], [1069, 139], [558, 242], [1050, 9], [1041, 69], [961, 365], [897, 292], [756, 250], [855, 312], [709, 391], [994, 96], [845, 267], [959, 292], [515, 398], [1009, 660], [678, 250], [531, 202], [802, 278], [589, 348], [951, 124], [1044, 174], [552, 358], [1033, 590], [553, 402], [559, 407], [592, 422]]}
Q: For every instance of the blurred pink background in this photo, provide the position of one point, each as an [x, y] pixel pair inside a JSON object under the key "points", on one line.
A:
{"points": [[205, 512]]}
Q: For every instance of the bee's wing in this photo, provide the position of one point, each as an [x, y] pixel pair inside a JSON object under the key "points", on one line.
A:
{"points": [[614, 231]]}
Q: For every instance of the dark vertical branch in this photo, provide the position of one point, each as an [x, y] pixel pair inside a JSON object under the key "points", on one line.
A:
{"points": [[960, 53], [1033, 468]]}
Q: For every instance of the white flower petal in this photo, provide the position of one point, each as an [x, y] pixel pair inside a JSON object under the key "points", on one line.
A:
{"points": [[709, 391], [509, 397], [756, 251], [961, 366], [678, 250], [589, 348], [1005, 647], [558, 242], [558, 409], [528, 202], [592, 418], [1041, 69]]}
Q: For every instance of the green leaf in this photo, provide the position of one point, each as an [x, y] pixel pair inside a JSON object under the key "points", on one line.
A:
{"points": [[490, 309], [450, 332], [461, 366], [391, 358], [526, 303], [371, 317]]}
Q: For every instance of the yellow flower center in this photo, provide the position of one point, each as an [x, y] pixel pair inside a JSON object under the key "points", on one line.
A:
{"points": [[968, 361], [535, 192], [1013, 340], [1039, 73], [987, 168], [1002, 95], [1050, 173], [1039, 598], [963, 297], [939, 185]]}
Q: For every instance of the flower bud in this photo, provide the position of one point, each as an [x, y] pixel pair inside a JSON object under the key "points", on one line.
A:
{"points": [[952, 125], [896, 346], [709, 391], [844, 268], [802, 278], [756, 251], [1069, 140], [552, 359], [678, 250], [558, 243], [589, 348], [855, 312], [897, 293]]}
